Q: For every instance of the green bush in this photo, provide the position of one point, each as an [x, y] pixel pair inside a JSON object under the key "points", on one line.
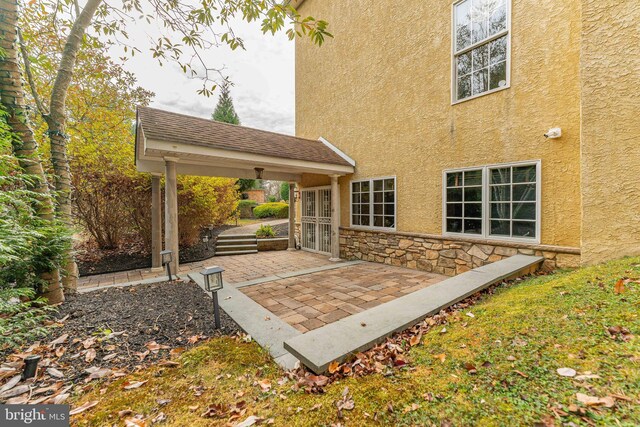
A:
{"points": [[265, 231], [22, 316], [245, 208], [29, 248], [272, 210]]}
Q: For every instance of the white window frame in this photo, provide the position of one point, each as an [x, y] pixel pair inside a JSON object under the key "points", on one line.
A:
{"points": [[455, 54], [486, 195], [395, 204]]}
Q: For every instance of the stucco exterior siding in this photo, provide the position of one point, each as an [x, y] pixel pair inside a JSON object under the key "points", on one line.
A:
{"points": [[381, 92], [610, 129]]}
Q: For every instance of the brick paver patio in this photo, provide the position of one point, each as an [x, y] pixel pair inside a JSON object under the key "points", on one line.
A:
{"points": [[238, 268], [312, 300]]}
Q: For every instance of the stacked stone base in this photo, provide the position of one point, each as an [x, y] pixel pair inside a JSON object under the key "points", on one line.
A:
{"points": [[442, 255]]}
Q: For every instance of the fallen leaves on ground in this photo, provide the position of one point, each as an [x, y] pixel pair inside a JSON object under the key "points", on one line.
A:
{"points": [[345, 403], [620, 333], [133, 385], [83, 407], [566, 372], [587, 400], [265, 385], [619, 287], [154, 347], [413, 407]]}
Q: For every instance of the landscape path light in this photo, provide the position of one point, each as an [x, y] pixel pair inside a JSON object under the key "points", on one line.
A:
{"points": [[213, 283], [167, 257]]}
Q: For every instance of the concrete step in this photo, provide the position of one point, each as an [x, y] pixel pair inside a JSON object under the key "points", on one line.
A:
{"points": [[337, 341], [235, 236], [236, 248], [236, 252], [236, 242]]}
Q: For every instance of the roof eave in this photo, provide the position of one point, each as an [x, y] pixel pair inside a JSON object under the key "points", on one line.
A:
{"points": [[156, 150]]}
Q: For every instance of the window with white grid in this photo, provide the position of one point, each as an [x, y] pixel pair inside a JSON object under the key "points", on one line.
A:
{"points": [[481, 47]]}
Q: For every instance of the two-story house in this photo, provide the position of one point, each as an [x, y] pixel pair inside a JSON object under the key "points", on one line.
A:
{"points": [[441, 135], [479, 129]]}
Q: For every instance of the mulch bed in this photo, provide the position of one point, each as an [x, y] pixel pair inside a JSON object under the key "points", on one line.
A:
{"points": [[92, 260], [104, 334]]}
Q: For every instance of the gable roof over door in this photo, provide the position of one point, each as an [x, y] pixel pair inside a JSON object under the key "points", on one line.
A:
{"points": [[161, 134], [173, 127]]}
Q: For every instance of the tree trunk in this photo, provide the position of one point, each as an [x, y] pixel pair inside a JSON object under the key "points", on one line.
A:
{"points": [[56, 122], [13, 99]]}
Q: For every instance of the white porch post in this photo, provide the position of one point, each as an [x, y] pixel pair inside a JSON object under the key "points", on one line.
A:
{"points": [[292, 216], [335, 219], [171, 211], [156, 224]]}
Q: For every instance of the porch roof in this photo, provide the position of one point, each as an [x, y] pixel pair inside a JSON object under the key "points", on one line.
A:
{"points": [[209, 148]]}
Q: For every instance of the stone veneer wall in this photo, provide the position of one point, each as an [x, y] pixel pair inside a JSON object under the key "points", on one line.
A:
{"points": [[443, 255]]}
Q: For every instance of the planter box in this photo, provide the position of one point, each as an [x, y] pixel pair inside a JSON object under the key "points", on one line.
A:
{"points": [[273, 244]]}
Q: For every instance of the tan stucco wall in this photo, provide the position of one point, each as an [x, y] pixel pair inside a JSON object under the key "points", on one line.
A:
{"points": [[610, 129], [380, 91]]}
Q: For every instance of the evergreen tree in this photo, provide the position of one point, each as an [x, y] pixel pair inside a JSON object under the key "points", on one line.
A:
{"points": [[225, 112]]}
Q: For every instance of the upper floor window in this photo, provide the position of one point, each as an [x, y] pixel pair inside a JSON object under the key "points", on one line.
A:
{"points": [[481, 47], [373, 203], [501, 201]]}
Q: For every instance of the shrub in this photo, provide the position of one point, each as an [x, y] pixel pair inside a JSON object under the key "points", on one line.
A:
{"points": [[22, 316], [272, 199], [272, 210], [265, 231], [203, 201], [245, 208], [29, 248], [103, 197], [29, 245], [113, 203]]}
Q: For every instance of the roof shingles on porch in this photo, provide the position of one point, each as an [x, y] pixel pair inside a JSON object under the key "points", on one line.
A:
{"points": [[173, 127]]}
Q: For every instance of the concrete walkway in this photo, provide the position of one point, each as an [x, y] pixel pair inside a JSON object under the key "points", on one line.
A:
{"points": [[252, 228]]}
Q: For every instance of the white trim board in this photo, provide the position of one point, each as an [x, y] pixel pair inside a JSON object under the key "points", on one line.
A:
{"points": [[338, 151]]}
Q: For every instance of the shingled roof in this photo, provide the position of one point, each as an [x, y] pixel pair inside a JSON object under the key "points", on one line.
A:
{"points": [[173, 127]]}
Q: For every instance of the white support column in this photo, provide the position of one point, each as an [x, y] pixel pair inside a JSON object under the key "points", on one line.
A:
{"points": [[335, 219], [292, 216], [171, 211], [156, 224]]}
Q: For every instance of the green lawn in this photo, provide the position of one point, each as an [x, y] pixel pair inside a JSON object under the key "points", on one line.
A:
{"points": [[245, 221], [515, 339]]}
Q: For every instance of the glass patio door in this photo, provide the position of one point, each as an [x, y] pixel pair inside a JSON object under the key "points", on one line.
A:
{"points": [[316, 220]]}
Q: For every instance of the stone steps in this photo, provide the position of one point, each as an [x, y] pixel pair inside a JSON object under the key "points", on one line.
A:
{"points": [[236, 244]]}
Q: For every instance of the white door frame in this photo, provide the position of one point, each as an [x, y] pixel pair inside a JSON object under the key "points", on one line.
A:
{"points": [[319, 221]]}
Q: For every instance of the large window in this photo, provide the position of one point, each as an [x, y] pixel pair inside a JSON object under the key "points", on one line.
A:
{"points": [[373, 203], [480, 48], [501, 201]]}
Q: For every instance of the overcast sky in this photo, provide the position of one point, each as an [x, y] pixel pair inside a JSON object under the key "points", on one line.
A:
{"points": [[263, 78]]}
